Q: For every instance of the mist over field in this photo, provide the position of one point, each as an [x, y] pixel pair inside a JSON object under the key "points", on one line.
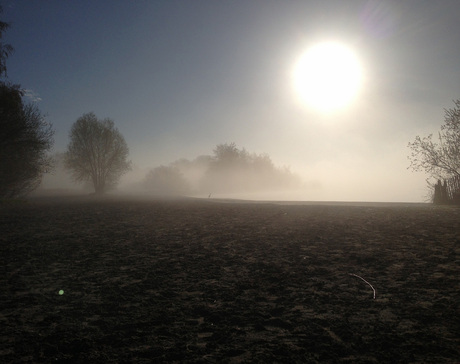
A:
{"points": [[334, 90], [237, 174], [229, 173]]}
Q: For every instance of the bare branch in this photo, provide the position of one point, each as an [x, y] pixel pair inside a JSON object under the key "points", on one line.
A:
{"points": [[439, 159]]}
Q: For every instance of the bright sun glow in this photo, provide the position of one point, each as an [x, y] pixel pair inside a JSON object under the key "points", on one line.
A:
{"points": [[328, 76]]}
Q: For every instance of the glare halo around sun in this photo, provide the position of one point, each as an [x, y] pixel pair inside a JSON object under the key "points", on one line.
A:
{"points": [[328, 76]]}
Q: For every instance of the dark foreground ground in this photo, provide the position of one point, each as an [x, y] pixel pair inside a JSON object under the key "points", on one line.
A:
{"points": [[201, 281]]}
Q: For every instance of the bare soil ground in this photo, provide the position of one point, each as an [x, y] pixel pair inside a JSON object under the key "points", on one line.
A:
{"points": [[202, 281]]}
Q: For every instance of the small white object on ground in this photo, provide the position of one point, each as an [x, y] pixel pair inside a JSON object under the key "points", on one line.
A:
{"points": [[355, 275]]}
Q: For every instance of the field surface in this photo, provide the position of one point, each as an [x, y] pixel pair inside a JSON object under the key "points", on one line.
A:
{"points": [[198, 281]]}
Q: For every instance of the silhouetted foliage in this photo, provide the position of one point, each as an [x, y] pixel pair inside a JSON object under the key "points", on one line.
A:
{"points": [[228, 156], [439, 159], [97, 152], [25, 137], [166, 180], [229, 170], [5, 49], [236, 170]]}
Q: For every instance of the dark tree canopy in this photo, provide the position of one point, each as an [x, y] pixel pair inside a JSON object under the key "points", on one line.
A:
{"points": [[5, 49], [439, 159], [97, 152], [25, 137]]}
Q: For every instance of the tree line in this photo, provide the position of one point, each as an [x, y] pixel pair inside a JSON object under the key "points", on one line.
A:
{"points": [[97, 152], [25, 136], [228, 170]]}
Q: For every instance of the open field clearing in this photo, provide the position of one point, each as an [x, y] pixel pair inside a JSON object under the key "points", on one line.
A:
{"points": [[105, 281]]}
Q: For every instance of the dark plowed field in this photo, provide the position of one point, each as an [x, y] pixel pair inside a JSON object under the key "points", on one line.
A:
{"points": [[105, 281]]}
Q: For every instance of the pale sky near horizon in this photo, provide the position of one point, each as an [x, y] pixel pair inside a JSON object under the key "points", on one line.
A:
{"points": [[180, 77]]}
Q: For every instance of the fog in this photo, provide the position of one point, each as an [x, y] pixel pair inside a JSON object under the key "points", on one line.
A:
{"points": [[179, 78], [232, 172]]}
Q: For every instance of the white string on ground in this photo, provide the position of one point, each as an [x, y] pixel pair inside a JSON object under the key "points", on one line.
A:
{"points": [[370, 285]]}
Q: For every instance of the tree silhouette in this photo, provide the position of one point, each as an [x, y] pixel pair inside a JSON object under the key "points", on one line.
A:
{"points": [[25, 137], [439, 159], [236, 170], [166, 180], [5, 49], [228, 170], [97, 152]]}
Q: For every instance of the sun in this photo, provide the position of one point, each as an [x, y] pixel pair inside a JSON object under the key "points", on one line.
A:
{"points": [[328, 76]]}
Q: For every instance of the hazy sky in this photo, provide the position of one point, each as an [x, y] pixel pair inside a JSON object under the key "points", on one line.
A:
{"points": [[179, 77]]}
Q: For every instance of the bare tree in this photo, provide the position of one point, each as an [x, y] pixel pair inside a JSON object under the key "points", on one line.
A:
{"points": [[97, 152], [439, 159]]}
